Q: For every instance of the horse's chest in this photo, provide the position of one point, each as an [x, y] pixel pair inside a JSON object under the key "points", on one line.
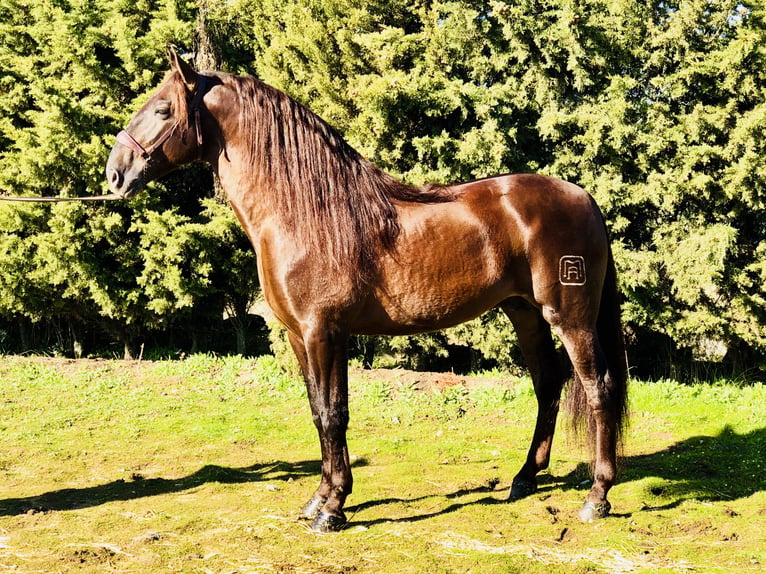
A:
{"points": [[297, 289]]}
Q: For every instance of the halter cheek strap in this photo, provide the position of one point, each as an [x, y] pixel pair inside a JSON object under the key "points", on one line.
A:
{"points": [[146, 153], [195, 106], [128, 140]]}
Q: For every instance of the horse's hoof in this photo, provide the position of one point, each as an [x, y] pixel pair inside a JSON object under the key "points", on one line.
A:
{"points": [[325, 522], [312, 508], [591, 511], [521, 488]]}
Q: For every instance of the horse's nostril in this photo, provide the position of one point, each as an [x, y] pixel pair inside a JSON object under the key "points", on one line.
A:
{"points": [[115, 178]]}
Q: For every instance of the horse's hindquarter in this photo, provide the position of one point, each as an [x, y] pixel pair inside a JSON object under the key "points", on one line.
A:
{"points": [[567, 247], [504, 237]]}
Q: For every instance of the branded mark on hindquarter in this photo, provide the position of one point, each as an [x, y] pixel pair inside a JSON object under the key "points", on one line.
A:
{"points": [[572, 270]]}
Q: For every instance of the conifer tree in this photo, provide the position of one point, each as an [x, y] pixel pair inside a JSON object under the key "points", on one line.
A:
{"points": [[655, 108], [73, 73]]}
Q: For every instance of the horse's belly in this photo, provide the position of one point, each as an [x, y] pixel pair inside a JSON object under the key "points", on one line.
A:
{"points": [[436, 293], [418, 312]]}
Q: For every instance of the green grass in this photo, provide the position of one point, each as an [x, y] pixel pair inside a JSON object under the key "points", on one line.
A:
{"points": [[200, 466]]}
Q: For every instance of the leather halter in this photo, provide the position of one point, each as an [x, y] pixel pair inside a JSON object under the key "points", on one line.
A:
{"points": [[128, 140], [146, 153]]}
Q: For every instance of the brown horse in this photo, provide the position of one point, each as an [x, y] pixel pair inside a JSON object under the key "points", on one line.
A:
{"points": [[345, 249]]}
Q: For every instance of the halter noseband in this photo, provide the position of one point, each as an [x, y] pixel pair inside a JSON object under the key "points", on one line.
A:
{"points": [[146, 153]]}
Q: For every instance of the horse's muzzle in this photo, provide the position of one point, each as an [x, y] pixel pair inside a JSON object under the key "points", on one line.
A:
{"points": [[125, 174]]}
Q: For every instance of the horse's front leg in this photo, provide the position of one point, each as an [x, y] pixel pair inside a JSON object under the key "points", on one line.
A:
{"points": [[539, 351], [322, 354]]}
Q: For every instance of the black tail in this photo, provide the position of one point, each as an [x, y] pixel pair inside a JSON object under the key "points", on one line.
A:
{"points": [[609, 327]]}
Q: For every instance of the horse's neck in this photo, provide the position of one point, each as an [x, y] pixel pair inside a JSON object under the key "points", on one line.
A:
{"points": [[240, 191]]}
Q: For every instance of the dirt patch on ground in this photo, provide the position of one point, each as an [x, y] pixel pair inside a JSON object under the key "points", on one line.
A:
{"points": [[424, 381], [420, 380], [88, 555]]}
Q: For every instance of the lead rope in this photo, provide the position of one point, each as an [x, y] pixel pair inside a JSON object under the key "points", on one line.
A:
{"points": [[108, 197]]}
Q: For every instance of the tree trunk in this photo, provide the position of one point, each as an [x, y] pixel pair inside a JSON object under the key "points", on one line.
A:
{"points": [[127, 351], [194, 344], [241, 338], [26, 334], [205, 58]]}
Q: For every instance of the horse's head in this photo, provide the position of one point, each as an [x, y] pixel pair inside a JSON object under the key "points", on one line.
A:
{"points": [[164, 134]]}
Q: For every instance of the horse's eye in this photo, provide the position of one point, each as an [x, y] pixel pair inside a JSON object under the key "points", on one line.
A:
{"points": [[163, 111]]}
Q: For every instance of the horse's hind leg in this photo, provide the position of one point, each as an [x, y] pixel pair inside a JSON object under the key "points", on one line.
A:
{"points": [[539, 351], [590, 366]]}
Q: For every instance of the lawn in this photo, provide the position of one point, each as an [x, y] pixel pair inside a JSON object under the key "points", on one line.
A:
{"points": [[200, 466]]}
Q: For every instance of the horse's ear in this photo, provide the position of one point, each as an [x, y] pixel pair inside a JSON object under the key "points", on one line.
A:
{"points": [[188, 74]]}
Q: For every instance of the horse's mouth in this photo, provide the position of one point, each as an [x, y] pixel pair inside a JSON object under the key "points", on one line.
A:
{"points": [[125, 189], [132, 189]]}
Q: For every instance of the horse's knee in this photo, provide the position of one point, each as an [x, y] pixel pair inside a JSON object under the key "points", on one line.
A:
{"points": [[332, 422]]}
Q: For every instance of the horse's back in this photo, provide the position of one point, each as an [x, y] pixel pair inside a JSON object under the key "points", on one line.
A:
{"points": [[536, 216], [532, 200]]}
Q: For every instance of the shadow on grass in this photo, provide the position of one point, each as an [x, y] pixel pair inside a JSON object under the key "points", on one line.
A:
{"points": [[139, 487], [718, 468], [439, 511], [710, 468], [725, 467]]}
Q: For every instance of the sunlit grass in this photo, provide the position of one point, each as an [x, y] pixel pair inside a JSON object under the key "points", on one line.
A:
{"points": [[200, 466]]}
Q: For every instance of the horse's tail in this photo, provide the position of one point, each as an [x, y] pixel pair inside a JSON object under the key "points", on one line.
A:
{"points": [[610, 335]]}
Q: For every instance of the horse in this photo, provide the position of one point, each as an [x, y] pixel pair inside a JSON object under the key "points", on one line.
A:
{"points": [[344, 248]]}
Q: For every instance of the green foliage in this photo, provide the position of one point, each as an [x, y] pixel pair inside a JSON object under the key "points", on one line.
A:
{"points": [[73, 73], [422, 89], [655, 108], [491, 336], [183, 256], [486, 342], [663, 147], [282, 350]]}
